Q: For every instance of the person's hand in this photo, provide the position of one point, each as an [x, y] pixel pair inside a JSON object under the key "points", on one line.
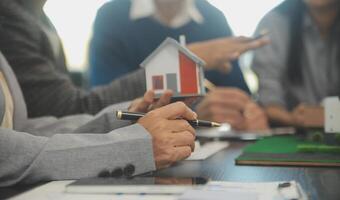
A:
{"points": [[233, 106], [308, 116], [279, 115], [219, 53], [173, 137], [224, 105], [255, 118], [147, 102]]}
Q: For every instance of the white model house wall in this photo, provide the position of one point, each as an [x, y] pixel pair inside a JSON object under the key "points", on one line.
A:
{"points": [[165, 62]]}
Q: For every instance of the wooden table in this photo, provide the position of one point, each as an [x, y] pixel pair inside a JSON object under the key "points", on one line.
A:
{"points": [[319, 183]]}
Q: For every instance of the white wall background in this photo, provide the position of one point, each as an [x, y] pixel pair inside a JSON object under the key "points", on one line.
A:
{"points": [[75, 26]]}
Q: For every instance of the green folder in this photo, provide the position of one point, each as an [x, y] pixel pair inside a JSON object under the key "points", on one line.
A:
{"points": [[289, 151]]}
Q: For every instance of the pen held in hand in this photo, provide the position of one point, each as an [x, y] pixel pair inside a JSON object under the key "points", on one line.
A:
{"points": [[123, 115]]}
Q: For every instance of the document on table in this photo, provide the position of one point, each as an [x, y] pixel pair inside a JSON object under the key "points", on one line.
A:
{"points": [[214, 190], [225, 132], [208, 149], [247, 191]]}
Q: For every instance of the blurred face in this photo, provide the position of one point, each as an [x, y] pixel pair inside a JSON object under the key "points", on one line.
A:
{"points": [[321, 4]]}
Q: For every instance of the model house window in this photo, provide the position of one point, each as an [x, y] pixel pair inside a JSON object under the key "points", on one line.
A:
{"points": [[158, 82]]}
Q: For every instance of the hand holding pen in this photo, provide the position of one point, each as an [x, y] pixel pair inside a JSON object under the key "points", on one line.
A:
{"points": [[122, 115], [173, 139]]}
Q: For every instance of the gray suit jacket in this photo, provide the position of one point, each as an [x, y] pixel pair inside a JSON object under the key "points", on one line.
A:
{"points": [[25, 40], [47, 148]]}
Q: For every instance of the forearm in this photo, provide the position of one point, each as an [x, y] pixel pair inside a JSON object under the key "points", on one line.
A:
{"points": [[61, 97], [278, 115], [27, 159]]}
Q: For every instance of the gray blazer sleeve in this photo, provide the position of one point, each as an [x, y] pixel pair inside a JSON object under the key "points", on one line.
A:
{"points": [[25, 158], [269, 61], [103, 122]]}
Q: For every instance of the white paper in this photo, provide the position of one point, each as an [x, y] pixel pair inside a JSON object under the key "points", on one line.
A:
{"points": [[219, 195], [207, 150], [264, 190]]}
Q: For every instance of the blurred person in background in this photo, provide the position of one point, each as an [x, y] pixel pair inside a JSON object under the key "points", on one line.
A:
{"points": [[301, 66], [127, 31], [33, 48]]}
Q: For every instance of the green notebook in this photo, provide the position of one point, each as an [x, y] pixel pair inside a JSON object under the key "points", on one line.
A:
{"points": [[289, 151]]}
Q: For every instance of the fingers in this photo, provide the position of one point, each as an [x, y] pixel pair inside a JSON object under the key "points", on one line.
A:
{"points": [[231, 116], [182, 153], [300, 109], [184, 138], [224, 105], [142, 104], [180, 125], [252, 44], [147, 100], [220, 114], [225, 50], [165, 99], [255, 118], [234, 107], [228, 98], [241, 39], [235, 123], [242, 44], [146, 103], [226, 67], [252, 110], [299, 115], [176, 110], [232, 93], [190, 100]]}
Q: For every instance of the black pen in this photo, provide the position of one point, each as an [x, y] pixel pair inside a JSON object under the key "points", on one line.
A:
{"points": [[123, 115]]}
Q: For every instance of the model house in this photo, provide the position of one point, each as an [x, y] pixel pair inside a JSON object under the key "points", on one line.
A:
{"points": [[172, 66]]}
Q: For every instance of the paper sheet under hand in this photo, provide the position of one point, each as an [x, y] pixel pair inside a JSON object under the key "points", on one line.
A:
{"points": [[207, 150]]}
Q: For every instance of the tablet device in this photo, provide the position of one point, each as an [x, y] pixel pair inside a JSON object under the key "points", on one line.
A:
{"points": [[136, 185]]}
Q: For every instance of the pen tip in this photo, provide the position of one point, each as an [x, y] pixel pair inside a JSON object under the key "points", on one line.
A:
{"points": [[214, 124]]}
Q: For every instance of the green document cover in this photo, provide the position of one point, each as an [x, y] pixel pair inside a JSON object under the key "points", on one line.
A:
{"points": [[287, 151]]}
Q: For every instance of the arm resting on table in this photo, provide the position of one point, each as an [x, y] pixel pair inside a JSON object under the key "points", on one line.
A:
{"points": [[25, 158]]}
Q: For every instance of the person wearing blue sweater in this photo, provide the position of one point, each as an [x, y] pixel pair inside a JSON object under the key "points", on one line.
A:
{"points": [[127, 31]]}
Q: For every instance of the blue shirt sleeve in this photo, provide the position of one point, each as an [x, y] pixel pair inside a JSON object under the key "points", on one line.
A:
{"points": [[108, 59], [233, 79], [219, 27]]}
